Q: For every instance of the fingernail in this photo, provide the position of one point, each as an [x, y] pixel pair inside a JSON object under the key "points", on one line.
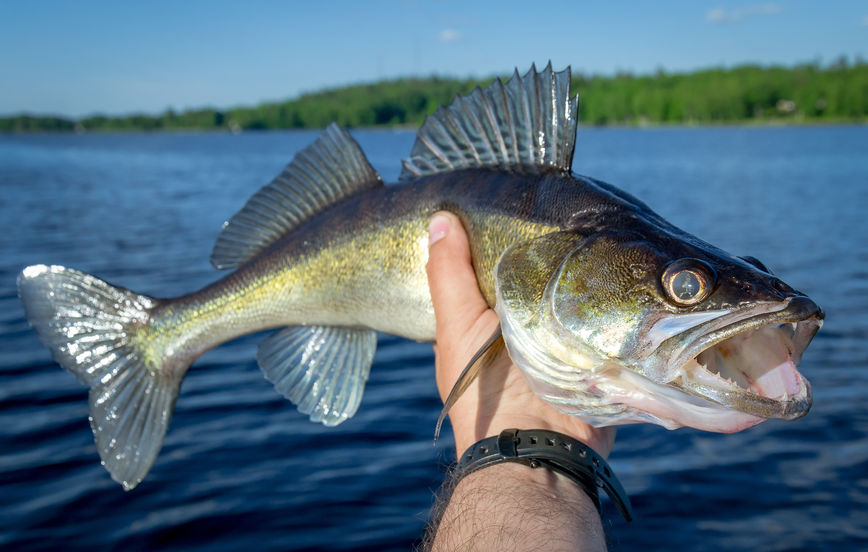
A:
{"points": [[437, 229]]}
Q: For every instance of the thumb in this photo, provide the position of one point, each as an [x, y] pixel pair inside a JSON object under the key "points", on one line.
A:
{"points": [[458, 304]]}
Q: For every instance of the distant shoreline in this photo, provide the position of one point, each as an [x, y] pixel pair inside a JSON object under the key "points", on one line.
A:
{"points": [[749, 95], [749, 124]]}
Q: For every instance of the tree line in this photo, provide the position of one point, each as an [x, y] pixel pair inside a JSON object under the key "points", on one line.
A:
{"points": [[805, 93]]}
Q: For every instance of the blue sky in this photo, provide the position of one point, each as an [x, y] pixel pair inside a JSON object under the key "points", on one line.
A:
{"points": [[80, 58]]}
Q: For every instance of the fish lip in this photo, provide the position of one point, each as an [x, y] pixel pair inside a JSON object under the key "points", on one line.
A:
{"points": [[800, 310]]}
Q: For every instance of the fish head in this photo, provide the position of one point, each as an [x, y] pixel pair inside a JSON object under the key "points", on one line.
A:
{"points": [[643, 322]]}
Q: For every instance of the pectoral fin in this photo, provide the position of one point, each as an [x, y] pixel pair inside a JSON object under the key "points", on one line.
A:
{"points": [[483, 358]]}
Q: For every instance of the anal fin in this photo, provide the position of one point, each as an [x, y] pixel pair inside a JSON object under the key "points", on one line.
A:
{"points": [[321, 369]]}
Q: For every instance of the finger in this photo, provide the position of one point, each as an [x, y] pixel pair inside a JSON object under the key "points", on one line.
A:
{"points": [[451, 279]]}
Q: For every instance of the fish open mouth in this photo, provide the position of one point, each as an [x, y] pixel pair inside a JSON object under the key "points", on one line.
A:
{"points": [[750, 363]]}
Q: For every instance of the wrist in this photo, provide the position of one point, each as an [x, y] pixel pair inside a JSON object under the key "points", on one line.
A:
{"points": [[529, 483], [479, 427], [467, 436], [551, 451], [514, 507]]}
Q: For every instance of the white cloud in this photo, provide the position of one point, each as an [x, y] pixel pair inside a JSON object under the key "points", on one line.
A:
{"points": [[717, 15], [865, 21], [721, 15], [449, 35]]}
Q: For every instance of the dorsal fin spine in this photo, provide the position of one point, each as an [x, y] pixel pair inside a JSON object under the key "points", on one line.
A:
{"points": [[542, 94], [467, 139], [293, 198], [478, 97], [433, 146], [457, 130], [515, 125], [509, 123], [310, 171], [489, 114], [524, 101]]}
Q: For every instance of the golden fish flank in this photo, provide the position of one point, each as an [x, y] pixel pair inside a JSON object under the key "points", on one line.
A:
{"points": [[612, 313]]}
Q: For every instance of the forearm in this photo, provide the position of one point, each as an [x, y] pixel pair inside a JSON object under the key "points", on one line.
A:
{"points": [[514, 507], [505, 506]]}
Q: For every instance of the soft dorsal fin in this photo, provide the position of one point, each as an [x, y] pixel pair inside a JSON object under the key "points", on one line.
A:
{"points": [[526, 125], [326, 171]]}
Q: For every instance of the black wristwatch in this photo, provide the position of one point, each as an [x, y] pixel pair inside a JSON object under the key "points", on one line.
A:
{"points": [[552, 450]]}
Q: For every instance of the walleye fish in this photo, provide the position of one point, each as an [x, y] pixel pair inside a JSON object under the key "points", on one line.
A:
{"points": [[612, 313]]}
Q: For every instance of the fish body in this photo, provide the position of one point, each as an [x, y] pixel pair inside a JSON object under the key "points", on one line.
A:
{"points": [[322, 273], [612, 313]]}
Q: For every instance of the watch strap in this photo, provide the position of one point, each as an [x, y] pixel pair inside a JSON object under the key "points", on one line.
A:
{"points": [[552, 450]]}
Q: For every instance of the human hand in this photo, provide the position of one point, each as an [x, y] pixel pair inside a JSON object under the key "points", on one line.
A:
{"points": [[500, 397]]}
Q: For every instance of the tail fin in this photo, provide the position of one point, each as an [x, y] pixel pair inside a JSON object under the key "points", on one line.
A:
{"points": [[97, 332]]}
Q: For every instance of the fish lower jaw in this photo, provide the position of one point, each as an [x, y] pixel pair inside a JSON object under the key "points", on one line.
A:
{"points": [[610, 393], [754, 372], [623, 396], [780, 383]]}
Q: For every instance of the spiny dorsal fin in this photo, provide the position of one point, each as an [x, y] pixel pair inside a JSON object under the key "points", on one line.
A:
{"points": [[330, 169], [526, 125]]}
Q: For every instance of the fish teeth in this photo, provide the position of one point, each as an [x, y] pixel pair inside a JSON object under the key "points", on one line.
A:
{"points": [[713, 361]]}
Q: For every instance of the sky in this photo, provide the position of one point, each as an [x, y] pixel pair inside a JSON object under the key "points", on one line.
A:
{"points": [[75, 59]]}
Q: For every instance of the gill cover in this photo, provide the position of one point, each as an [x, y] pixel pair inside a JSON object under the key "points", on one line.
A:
{"points": [[598, 289], [559, 368]]}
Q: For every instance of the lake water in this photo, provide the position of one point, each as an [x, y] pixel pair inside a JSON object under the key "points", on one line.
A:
{"points": [[242, 469]]}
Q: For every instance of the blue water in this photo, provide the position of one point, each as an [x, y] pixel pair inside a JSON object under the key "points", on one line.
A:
{"points": [[242, 469]]}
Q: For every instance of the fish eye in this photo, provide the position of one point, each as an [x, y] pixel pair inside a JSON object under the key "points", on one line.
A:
{"points": [[688, 281]]}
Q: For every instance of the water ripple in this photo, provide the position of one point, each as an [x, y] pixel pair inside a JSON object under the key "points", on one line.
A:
{"points": [[241, 468]]}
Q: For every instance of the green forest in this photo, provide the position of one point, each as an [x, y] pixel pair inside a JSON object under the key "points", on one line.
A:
{"points": [[806, 93]]}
